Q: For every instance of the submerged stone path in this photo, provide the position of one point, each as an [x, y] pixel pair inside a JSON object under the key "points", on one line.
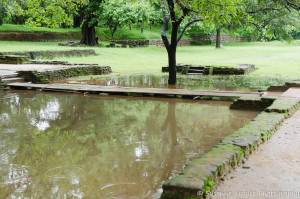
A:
{"points": [[273, 171], [126, 90]]}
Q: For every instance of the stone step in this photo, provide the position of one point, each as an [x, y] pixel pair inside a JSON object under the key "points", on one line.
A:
{"points": [[197, 67], [13, 80], [194, 73]]}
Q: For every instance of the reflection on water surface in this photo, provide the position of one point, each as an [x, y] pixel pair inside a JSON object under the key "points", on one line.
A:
{"points": [[196, 82], [73, 146]]}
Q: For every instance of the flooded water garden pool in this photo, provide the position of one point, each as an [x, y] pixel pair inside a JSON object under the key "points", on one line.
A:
{"points": [[87, 146], [198, 82]]}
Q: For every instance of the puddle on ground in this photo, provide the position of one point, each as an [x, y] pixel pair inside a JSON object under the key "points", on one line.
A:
{"points": [[75, 146]]}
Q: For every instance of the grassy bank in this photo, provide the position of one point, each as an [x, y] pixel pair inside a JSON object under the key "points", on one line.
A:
{"points": [[274, 58]]}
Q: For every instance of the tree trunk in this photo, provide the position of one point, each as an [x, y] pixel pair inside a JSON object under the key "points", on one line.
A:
{"points": [[172, 65], [172, 54], [218, 38], [142, 26], [112, 29], [88, 35], [77, 19], [1, 22]]}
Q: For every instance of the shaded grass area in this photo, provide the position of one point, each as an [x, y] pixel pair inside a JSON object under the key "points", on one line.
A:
{"points": [[25, 28], [275, 61]]}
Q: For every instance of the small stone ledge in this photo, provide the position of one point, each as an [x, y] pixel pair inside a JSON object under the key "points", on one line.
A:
{"points": [[250, 103], [241, 69], [2, 85], [13, 59], [52, 54], [45, 76], [200, 175], [255, 132], [284, 105]]}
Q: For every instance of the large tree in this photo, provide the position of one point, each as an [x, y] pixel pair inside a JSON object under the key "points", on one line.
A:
{"points": [[88, 32], [56, 13], [178, 11]]}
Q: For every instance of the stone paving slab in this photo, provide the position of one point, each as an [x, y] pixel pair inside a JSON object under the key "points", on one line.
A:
{"points": [[118, 90], [8, 73], [292, 92], [26, 67]]}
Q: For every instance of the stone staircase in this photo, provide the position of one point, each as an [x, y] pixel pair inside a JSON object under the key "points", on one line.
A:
{"points": [[9, 76], [195, 70]]}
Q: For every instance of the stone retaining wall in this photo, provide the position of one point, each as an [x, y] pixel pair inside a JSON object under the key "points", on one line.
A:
{"points": [[13, 59], [241, 69], [211, 38], [247, 103], [46, 76], [39, 36], [52, 54], [200, 175], [151, 42]]}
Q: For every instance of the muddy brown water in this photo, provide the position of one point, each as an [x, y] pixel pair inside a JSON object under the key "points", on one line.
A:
{"points": [[73, 146]]}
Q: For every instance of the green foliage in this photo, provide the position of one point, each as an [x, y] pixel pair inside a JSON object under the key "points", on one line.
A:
{"points": [[115, 14], [143, 12], [270, 19], [53, 13], [3, 13]]}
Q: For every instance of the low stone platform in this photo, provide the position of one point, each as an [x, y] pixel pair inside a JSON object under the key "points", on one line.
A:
{"points": [[45, 76], [241, 69], [292, 92], [13, 59]]}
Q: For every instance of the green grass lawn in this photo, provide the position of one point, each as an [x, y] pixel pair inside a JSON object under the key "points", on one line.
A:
{"points": [[273, 58]]}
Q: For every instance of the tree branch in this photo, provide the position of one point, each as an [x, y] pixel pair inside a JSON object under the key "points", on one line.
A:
{"points": [[171, 6], [184, 8], [164, 30], [163, 9], [264, 9], [193, 20], [293, 5]]}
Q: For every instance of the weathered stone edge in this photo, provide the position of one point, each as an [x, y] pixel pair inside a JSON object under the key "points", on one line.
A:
{"points": [[284, 105], [200, 175], [44, 77], [2, 85], [252, 103]]}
